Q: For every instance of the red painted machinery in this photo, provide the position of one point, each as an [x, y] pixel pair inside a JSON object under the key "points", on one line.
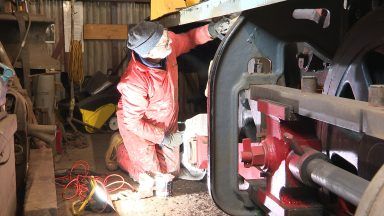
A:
{"points": [[296, 108], [283, 157]]}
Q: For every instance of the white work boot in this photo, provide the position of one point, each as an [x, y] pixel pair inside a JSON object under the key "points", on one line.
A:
{"points": [[146, 184], [163, 184]]}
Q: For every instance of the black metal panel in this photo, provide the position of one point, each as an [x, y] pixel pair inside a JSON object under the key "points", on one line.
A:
{"points": [[277, 19], [228, 77], [224, 88]]}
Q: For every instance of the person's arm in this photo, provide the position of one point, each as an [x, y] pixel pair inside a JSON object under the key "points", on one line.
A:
{"points": [[184, 42], [134, 100]]}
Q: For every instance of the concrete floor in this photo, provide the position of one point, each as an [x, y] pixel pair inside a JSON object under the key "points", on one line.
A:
{"points": [[189, 197]]}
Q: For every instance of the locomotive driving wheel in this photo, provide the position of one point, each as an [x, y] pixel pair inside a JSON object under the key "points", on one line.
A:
{"points": [[358, 63]]}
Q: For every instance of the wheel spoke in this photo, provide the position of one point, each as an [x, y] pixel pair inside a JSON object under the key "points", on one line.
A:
{"points": [[359, 79], [361, 83]]}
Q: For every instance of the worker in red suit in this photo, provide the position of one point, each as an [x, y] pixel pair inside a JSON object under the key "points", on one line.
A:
{"points": [[148, 108]]}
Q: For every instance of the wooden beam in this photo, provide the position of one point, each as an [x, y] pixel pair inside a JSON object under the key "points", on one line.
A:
{"points": [[40, 195], [105, 32]]}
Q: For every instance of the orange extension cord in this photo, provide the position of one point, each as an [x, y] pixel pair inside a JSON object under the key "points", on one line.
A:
{"points": [[77, 180]]}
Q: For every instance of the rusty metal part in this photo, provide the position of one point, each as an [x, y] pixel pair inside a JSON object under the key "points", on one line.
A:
{"points": [[359, 116], [376, 95], [309, 84], [373, 198]]}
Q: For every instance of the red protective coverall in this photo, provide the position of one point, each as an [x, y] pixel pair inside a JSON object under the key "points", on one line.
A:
{"points": [[148, 109]]}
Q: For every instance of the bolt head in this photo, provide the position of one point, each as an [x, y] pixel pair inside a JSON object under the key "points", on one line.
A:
{"points": [[258, 155], [246, 157]]}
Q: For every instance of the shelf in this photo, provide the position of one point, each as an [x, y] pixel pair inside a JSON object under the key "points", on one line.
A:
{"points": [[34, 18]]}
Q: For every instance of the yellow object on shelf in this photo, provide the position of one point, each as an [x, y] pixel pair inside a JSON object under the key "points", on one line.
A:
{"points": [[162, 7]]}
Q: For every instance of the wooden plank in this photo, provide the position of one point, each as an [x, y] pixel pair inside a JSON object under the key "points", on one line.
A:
{"points": [[7, 168], [105, 32], [40, 198]]}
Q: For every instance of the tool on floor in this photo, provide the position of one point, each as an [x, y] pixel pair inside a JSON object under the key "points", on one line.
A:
{"points": [[91, 190], [98, 200]]}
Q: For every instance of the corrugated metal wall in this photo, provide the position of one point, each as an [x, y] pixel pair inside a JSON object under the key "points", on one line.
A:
{"points": [[97, 53], [130, 14]]}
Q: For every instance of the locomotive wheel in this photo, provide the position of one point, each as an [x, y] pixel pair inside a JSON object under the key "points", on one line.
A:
{"points": [[373, 197], [358, 63]]}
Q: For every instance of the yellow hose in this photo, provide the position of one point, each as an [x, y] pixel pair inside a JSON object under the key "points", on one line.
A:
{"points": [[80, 210], [76, 62]]}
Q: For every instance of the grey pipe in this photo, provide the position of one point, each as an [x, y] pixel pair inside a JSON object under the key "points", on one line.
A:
{"points": [[345, 184]]}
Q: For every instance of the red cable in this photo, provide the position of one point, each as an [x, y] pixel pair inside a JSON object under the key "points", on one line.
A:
{"points": [[79, 182], [76, 181]]}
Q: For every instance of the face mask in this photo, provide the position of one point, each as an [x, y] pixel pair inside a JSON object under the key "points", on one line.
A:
{"points": [[161, 53], [162, 49]]}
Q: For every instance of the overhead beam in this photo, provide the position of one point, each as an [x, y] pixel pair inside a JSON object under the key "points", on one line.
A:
{"points": [[212, 8]]}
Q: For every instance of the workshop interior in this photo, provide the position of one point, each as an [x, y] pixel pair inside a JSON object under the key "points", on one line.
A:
{"points": [[280, 115]]}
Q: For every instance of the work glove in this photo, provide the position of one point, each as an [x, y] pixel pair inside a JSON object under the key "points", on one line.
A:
{"points": [[172, 140], [220, 28]]}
